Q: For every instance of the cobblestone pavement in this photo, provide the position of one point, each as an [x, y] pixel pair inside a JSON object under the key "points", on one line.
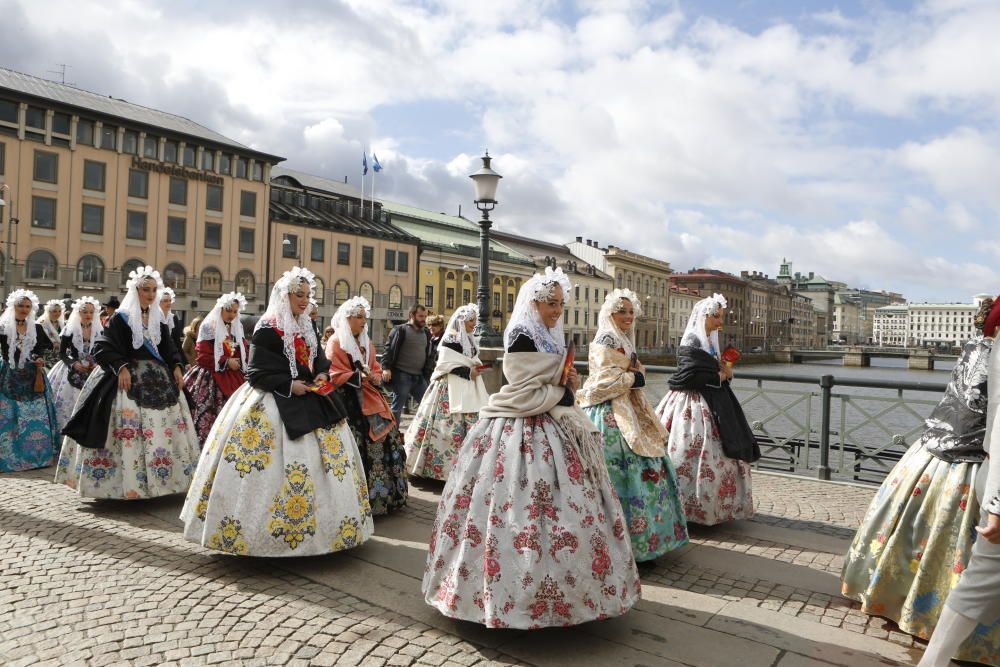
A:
{"points": [[102, 582]]}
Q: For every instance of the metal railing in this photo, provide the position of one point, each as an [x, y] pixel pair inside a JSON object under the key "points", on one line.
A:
{"points": [[854, 435]]}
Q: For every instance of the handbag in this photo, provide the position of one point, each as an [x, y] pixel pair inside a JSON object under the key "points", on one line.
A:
{"points": [[39, 386]]}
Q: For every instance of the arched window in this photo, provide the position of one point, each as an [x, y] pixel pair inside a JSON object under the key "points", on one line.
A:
{"points": [[368, 292], [619, 278], [395, 297], [320, 292], [175, 276], [130, 266], [341, 292], [246, 284], [211, 280], [41, 265], [496, 281], [90, 269], [450, 275], [628, 282], [510, 284]]}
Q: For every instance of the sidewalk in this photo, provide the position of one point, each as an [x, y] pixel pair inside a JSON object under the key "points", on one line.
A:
{"points": [[104, 582]]}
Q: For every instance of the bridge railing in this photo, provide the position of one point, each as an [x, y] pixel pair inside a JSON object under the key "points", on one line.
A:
{"points": [[828, 426]]}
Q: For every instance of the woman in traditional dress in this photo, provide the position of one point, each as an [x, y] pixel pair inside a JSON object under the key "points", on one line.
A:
{"points": [[130, 435], [189, 342], [355, 371], [28, 429], [221, 362], [451, 404], [917, 535], [529, 532], [167, 298], [53, 320], [710, 442], [280, 474], [635, 443], [76, 356]]}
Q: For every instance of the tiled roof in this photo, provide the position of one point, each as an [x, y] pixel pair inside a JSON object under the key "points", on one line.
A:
{"points": [[441, 218], [462, 241], [317, 182], [116, 108], [336, 221]]}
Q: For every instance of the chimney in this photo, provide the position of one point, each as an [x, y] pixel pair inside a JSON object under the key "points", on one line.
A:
{"points": [[744, 274], [811, 275], [579, 239]]}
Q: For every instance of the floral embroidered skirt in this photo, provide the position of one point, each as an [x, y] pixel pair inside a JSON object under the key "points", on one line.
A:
{"points": [[258, 493], [29, 433], [384, 460], [913, 545], [151, 449], [647, 489], [714, 488], [205, 398], [66, 385], [526, 534], [435, 435]]}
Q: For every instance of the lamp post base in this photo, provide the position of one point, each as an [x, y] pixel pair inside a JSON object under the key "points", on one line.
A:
{"points": [[488, 336]]}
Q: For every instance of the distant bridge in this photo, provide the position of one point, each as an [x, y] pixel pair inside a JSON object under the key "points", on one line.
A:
{"points": [[916, 358]]}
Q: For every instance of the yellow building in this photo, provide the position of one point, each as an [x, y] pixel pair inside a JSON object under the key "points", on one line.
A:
{"points": [[96, 186]]}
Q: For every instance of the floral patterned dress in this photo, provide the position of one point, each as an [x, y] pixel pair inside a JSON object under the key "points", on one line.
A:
{"points": [[51, 329], [66, 380], [210, 383], [529, 532], [29, 432], [713, 487], [132, 444], [267, 486], [917, 535]]}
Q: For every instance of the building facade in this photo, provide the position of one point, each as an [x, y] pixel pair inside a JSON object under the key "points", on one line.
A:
{"points": [[682, 301], [737, 293], [647, 276], [944, 325], [847, 321], [803, 325], [769, 317], [96, 186], [891, 326]]}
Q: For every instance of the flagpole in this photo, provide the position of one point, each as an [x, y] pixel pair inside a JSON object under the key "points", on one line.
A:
{"points": [[364, 167], [373, 194]]}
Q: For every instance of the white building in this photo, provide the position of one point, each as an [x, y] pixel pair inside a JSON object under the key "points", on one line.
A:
{"points": [[682, 302], [892, 326]]}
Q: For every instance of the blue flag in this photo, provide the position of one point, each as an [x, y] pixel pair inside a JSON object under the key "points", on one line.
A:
{"points": [[364, 163], [375, 165]]}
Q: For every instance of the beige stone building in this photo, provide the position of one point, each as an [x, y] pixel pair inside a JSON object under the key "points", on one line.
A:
{"points": [[97, 186], [803, 325], [682, 301], [646, 276], [737, 293]]}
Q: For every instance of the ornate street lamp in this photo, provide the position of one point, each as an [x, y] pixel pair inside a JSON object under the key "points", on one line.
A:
{"points": [[486, 181]]}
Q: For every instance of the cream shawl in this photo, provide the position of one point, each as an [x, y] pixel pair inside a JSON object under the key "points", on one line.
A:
{"points": [[463, 395], [610, 380]]}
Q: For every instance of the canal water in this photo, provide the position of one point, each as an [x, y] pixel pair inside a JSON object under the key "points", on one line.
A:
{"points": [[861, 417]]}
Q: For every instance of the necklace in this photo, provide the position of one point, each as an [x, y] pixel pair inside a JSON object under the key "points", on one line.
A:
{"points": [[145, 311], [19, 321]]}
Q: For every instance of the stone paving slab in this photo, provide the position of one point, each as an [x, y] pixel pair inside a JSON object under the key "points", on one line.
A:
{"points": [[105, 582]]}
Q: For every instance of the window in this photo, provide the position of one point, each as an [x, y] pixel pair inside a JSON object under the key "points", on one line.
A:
{"points": [[319, 293], [576, 292], [8, 111], [449, 298], [429, 296], [176, 230], [170, 151], [60, 123], [35, 117], [213, 235], [109, 137], [138, 184], [130, 266], [290, 246], [90, 269], [403, 261], [213, 198], [246, 239], [344, 254], [224, 164], [189, 156], [211, 280], [41, 265], [576, 316], [367, 257], [130, 142], [367, 291], [341, 292], [317, 250], [466, 296], [43, 212], [151, 147], [178, 191], [46, 166], [245, 282], [175, 276], [258, 171], [510, 303], [92, 219], [248, 203], [395, 297], [208, 160], [135, 225], [241, 167], [390, 260], [94, 175], [496, 301]]}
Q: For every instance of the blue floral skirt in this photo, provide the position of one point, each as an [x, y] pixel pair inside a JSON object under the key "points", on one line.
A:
{"points": [[29, 433]]}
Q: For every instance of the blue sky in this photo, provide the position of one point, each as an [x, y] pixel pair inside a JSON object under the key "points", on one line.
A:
{"points": [[859, 139]]}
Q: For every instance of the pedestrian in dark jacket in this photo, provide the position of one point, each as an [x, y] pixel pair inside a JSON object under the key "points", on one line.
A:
{"points": [[406, 361]]}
